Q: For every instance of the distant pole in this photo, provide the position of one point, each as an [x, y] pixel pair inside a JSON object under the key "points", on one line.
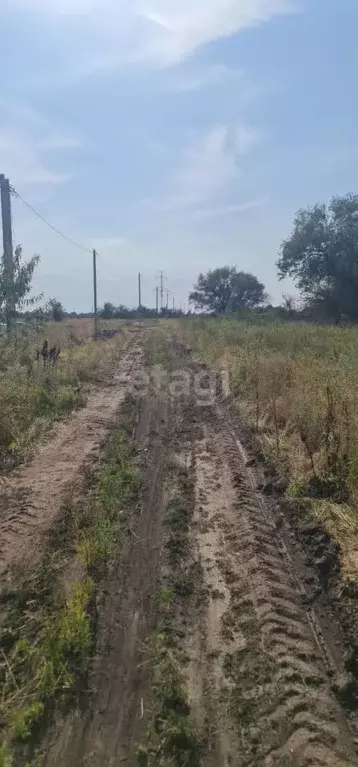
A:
{"points": [[139, 291], [157, 299], [173, 304], [161, 290], [95, 294], [10, 307], [168, 291]]}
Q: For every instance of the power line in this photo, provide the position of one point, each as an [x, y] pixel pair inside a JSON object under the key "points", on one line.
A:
{"points": [[51, 226], [109, 266]]}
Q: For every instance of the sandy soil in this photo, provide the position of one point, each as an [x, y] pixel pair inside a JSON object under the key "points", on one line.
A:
{"points": [[262, 661], [31, 497]]}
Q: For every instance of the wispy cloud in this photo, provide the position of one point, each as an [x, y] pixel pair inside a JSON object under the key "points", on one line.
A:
{"points": [[210, 168], [228, 210], [26, 140], [159, 32]]}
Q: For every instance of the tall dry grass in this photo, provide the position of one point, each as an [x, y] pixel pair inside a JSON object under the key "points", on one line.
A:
{"points": [[33, 395], [297, 384]]}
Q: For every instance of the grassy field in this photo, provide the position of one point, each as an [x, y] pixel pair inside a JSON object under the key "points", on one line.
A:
{"points": [[297, 385], [32, 395]]}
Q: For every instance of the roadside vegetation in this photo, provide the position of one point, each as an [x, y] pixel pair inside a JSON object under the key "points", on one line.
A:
{"points": [[34, 394], [296, 383], [49, 620]]}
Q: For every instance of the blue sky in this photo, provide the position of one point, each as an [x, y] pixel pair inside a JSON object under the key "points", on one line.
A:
{"points": [[175, 136]]}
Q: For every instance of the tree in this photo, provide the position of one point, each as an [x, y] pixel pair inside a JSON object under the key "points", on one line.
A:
{"points": [[108, 311], [55, 310], [23, 273], [227, 290], [321, 255]]}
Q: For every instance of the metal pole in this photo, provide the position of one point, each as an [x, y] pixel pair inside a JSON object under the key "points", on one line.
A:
{"points": [[95, 294], [10, 304]]}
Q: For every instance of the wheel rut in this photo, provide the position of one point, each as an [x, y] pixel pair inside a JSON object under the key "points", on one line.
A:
{"points": [[269, 668]]}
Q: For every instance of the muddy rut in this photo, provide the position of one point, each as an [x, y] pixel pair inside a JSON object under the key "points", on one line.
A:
{"points": [[259, 672]]}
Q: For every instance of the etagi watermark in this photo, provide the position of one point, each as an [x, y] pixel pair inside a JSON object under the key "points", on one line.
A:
{"points": [[205, 385]]}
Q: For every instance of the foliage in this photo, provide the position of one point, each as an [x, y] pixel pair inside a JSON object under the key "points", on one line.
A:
{"points": [[110, 311], [297, 383], [23, 274], [226, 290], [321, 254], [55, 310]]}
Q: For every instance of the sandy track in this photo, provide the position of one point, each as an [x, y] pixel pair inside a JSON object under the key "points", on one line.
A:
{"points": [[32, 496], [260, 672], [264, 664], [110, 730]]}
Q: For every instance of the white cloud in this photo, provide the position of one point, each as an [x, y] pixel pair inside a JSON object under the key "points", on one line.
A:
{"points": [[25, 140], [228, 210], [160, 32], [210, 168]]}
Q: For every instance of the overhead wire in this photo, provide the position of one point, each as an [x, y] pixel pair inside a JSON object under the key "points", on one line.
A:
{"points": [[61, 234], [51, 226]]}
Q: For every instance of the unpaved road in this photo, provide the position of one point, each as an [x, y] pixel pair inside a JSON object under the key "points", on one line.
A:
{"points": [[261, 665], [32, 496]]}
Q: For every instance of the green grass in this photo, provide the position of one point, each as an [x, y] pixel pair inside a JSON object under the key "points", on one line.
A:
{"points": [[172, 738], [47, 639]]}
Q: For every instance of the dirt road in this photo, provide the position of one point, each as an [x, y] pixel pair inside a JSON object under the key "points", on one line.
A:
{"points": [[32, 496], [207, 573]]}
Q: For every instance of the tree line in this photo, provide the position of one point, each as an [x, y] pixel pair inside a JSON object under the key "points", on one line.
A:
{"points": [[320, 255]]}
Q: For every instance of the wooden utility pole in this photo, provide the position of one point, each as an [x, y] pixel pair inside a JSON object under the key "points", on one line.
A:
{"points": [[157, 299], [139, 290], [95, 309], [173, 304], [10, 303], [168, 291]]}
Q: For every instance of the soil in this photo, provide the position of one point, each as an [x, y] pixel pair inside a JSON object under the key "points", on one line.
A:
{"points": [[265, 648], [32, 496]]}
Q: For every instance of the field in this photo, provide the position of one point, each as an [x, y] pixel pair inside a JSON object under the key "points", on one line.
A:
{"points": [[179, 546]]}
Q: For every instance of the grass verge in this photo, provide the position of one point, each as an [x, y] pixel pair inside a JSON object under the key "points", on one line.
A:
{"points": [[48, 617], [172, 739]]}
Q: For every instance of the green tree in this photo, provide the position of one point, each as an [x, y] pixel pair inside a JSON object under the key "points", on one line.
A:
{"points": [[108, 311], [19, 291], [321, 255], [227, 290], [55, 310]]}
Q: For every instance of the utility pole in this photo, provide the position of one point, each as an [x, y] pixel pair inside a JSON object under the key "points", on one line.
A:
{"points": [[168, 291], [10, 304], [95, 294], [161, 290], [139, 291], [157, 299], [173, 304]]}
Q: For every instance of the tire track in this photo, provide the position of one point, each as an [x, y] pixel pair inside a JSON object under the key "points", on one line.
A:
{"points": [[273, 665]]}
